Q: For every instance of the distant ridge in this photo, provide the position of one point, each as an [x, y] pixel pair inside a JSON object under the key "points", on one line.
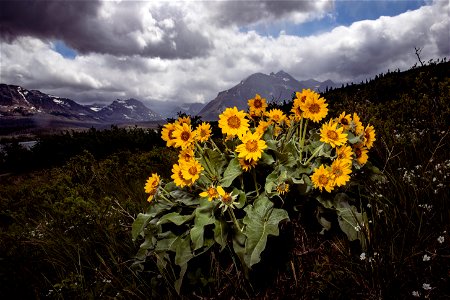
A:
{"points": [[15, 101], [274, 87]]}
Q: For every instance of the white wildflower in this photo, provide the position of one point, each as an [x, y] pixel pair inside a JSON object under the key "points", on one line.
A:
{"points": [[415, 294], [362, 256], [426, 286], [426, 258], [440, 239]]}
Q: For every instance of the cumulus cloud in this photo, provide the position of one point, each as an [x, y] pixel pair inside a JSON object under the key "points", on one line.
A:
{"points": [[150, 29], [347, 53]]}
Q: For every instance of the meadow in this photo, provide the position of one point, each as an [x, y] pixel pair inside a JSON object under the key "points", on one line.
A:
{"points": [[67, 208]]}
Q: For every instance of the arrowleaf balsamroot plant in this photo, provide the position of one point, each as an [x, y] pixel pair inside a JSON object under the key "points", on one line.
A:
{"points": [[233, 191]]}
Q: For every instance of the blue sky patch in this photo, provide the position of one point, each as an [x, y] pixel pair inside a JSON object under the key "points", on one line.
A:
{"points": [[345, 13], [61, 47]]}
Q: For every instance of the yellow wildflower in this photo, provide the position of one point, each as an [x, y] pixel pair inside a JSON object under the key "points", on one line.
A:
{"points": [[233, 122], [329, 133], [321, 178], [340, 170], [257, 105], [344, 120], [151, 186], [203, 132], [314, 108], [167, 134], [191, 170], [178, 178], [184, 136], [211, 193], [282, 188], [356, 126], [247, 164], [344, 153], [369, 136], [276, 116], [360, 153], [252, 146]]}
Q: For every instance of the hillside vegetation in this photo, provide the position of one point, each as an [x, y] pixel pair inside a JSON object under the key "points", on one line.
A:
{"points": [[67, 206]]}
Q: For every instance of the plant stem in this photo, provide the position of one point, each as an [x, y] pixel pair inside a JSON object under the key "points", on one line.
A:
{"points": [[314, 153], [302, 137], [231, 212], [256, 183]]}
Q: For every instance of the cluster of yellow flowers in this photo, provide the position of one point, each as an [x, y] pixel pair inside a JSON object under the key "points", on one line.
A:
{"points": [[249, 127], [335, 133]]}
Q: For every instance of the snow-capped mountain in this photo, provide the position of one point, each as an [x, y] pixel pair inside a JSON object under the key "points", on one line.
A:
{"points": [[126, 110], [274, 87], [17, 102]]}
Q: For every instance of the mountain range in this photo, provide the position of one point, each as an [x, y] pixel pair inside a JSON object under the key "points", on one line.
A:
{"points": [[19, 105], [274, 87]]}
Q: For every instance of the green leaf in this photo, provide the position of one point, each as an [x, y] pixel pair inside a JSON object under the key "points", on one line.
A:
{"points": [[220, 233], [183, 254], [203, 216], [271, 182], [261, 220], [351, 221], [239, 247], [175, 218], [217, 161], [139, 224], [232, 171], [352, 139], [271, 144], [267, 159], [149, 242], [324, 222], [242, 197], [168, 244], [184, 197]]}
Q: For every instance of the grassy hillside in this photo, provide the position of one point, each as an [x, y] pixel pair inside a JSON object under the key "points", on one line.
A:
{"points": [[65, 227]]}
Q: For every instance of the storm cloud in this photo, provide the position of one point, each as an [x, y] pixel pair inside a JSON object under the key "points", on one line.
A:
{"points": [[182, 51], [119, 28], [248, 12]]}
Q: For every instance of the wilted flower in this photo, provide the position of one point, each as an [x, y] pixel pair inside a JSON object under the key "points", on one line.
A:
{"points": [[211, 193]]}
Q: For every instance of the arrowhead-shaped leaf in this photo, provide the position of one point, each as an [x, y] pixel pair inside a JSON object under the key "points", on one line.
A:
{"points": [[175, 218], [203, 216], [232, 171], [220, 233], [261, 220], [139, 224]]}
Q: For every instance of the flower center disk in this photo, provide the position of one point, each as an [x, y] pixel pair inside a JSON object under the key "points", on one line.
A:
{"points": [[234, 122], [332, 135], [185, 136], [314, 108], [251, 146]]}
